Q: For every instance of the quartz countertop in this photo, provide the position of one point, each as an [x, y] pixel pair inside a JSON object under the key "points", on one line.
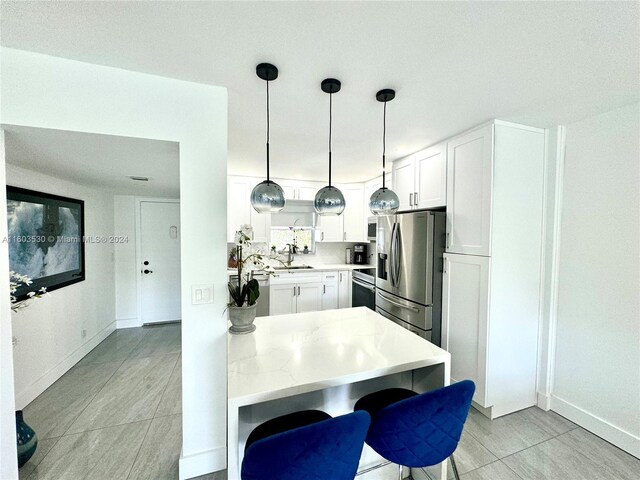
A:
{"points": [[303, 352], [317, 268]]}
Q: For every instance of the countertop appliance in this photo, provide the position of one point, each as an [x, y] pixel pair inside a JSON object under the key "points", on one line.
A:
{"points": [[363, 288], [360, 254], [409, 255], [262, 305], [372, 226]]}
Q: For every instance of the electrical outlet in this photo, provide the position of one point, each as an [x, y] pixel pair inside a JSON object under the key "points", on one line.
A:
{"points": [[83, 333], [14, 341]]}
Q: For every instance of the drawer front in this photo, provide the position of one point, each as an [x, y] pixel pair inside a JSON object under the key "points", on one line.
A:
{"points": [[412, 313]]}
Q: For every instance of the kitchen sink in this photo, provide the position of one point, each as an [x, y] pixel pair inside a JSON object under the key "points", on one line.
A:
{"points": [[294, 267]]}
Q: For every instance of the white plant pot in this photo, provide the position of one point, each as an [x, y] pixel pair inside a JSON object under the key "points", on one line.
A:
{"points": [[242, 319]]}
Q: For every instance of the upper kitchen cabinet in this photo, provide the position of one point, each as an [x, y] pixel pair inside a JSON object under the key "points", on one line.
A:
{"points": [[420, 180], [298, 189], [404, 181], [240, 212], [354, 214], [469, 179], [431, 177], [330, 228]]}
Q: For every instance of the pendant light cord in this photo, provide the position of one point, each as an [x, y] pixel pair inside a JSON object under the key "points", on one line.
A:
{"points": [[384, 144], [267, 130], [330, 125]]}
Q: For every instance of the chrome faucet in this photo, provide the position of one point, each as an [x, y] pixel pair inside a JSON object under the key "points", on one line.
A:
{"points": [[289, 251]]}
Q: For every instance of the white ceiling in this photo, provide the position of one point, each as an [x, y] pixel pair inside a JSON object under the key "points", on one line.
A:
{"points": [[454, 65], [102, 161]]}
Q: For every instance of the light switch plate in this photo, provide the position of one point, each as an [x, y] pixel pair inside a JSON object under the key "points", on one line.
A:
{"points": [[201, 294]]}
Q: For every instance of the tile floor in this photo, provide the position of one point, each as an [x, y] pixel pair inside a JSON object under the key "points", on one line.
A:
{"points": [[117, 415]]}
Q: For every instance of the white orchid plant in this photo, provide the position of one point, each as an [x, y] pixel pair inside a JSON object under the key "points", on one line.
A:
{"points": [[250, 259], [15, 282]]}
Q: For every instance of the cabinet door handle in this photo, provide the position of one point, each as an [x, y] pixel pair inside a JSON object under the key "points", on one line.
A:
{"points": [[448, 239], [298, 291], [411, 199], [415, 198], [324, 289], [340, 277], [321, 235], [294, 291], [344, 236]]}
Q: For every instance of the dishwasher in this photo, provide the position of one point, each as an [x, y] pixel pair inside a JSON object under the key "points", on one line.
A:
{"points": [[262, 308]]}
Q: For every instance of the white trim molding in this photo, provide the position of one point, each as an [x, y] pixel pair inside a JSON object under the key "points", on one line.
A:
{"points": [[26, 396], [201, 463], [613, 434]]}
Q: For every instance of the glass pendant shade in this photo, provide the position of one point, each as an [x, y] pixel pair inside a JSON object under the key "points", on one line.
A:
{"points": [[384, 202], [267, 197], [329, 201]]}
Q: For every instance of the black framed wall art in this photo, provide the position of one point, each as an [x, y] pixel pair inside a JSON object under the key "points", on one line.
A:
{"points": [[45, 239]]}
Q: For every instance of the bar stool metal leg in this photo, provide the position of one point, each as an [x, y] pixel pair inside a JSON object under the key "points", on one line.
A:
{"points": [[400, 472], [454, 467]]}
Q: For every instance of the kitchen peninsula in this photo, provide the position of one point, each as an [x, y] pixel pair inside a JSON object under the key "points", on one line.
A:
{"points": [[322, 360]]}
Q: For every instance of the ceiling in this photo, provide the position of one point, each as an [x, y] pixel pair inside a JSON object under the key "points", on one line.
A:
{"points": [[102, 161], [454, 65]]}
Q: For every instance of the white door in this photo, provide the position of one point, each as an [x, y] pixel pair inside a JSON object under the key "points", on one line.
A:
{"points": [[431, 177], [160, 258], [465, 306], [329, 290], [355, 220], [309, 297], [404, 182], [344, 289], [469, 179], [282, 299]]}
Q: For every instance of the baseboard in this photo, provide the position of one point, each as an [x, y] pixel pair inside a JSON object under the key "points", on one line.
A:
{"points": [[544, 401], [625, 440], [26, 396], [128, 323], [202, 463]]}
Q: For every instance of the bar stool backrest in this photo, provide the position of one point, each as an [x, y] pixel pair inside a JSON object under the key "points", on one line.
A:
{"points": [[325, 450], [423, 430]]}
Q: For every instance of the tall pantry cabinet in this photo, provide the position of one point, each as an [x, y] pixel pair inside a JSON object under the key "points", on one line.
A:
{"points": [[493, 260]]}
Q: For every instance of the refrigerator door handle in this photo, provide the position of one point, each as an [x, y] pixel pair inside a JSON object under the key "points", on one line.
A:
{"points": [[396, 256], [392, 255], [398, 304]]}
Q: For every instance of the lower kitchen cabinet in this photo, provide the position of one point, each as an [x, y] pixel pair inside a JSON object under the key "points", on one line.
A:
{"points": [[330, 290], [309, 292]]}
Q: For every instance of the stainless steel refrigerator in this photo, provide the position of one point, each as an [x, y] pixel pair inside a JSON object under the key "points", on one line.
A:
{"points": [[409, 253]]}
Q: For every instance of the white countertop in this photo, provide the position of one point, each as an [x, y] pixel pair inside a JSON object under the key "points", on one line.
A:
{"points": [[316, 268], [303, 352]]}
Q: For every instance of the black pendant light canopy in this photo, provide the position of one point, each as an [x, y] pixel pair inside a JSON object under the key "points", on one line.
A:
{"points": [[329, 200], [384, 201], [267, 196]]}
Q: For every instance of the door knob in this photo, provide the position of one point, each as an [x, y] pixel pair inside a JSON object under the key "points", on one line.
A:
{"points": [[145, 271]]}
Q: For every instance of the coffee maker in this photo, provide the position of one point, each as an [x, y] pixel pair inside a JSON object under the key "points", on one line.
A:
{"points": [[360, 256]]}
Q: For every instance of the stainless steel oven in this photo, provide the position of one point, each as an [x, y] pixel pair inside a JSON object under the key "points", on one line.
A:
{"points": [[363, 288]]}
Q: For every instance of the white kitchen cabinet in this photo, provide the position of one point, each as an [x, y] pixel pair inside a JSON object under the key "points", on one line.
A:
{"points": [[344, 289], [464, 319], [354, 221], [282, 299], [469, 182], [491, 293], [299, 189], [404, 181], [420, 180], [330, 228], [431, 177], [309, 297], [240, 212], [330, 290]]}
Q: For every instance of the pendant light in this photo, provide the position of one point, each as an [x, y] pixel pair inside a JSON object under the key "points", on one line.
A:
{"points": [[384, 201], [329, 200], [267, 196]]}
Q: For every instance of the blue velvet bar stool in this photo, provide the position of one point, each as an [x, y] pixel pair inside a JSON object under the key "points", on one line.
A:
{"points": [[417, 430], [308, 445]]}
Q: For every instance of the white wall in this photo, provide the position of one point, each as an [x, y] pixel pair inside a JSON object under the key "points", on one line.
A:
{"points": [[125, 268], [597, 355], [49, 92], [8, 452], [52, 326]]}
